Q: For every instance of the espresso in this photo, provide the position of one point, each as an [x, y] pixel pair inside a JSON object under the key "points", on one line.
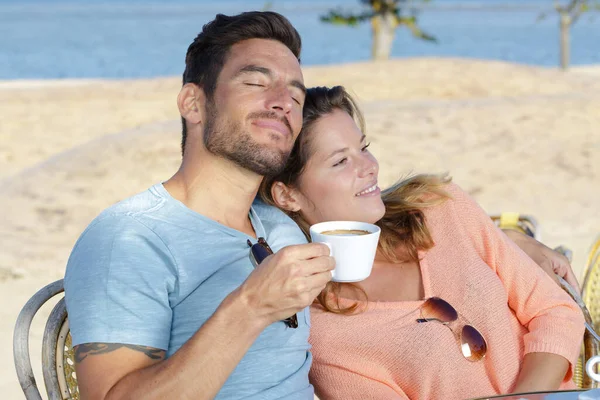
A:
{"points": [[345, 232]]}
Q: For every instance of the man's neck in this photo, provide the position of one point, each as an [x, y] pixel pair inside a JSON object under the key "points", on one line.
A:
{"points": [[216, 188]]}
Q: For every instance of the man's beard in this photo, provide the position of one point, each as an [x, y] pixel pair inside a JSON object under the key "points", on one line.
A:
{"points": [[229, 141]]}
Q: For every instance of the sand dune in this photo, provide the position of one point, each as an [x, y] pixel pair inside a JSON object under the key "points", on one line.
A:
{"points": [[516, 137]]}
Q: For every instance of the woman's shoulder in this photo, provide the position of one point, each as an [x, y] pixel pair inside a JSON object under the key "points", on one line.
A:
{"points": [[455, 190], [452, 195], [457, 207], [418, 190]]}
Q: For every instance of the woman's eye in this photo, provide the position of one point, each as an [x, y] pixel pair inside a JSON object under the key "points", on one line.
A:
{"points": [[254, 84], [341, 162], [296, 100], [366, 146]]}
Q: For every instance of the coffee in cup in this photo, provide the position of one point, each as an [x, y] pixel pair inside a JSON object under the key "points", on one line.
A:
{"points": [[353, 245], [346, 232]]}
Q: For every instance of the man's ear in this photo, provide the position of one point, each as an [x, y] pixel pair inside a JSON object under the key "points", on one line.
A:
{"points": [[285, 197], [191, 102]]}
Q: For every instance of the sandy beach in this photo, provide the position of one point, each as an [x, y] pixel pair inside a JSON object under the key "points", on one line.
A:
{"points": [[518, 138]]}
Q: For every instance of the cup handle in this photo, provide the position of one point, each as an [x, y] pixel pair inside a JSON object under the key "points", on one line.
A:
{"points": [[589, 368], [331, 254]]}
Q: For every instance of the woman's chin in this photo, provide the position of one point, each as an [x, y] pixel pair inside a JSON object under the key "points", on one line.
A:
{"points": [[377, 212], [371, 210], [372, 217], [377, 218]]}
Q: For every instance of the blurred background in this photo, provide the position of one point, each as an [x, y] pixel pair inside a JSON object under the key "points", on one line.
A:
{"points": [[142, 39], [502, 95]]}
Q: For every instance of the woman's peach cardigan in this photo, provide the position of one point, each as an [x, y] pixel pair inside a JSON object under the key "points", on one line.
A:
{"points": [[383, 353]]}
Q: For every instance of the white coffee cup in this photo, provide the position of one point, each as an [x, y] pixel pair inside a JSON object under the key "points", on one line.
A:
{"points": [[354, 253]]}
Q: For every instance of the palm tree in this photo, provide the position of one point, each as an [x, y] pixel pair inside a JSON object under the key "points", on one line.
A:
{"points": [[385, 16], [568, 15]]}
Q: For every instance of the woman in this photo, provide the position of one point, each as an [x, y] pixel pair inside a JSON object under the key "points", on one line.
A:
{"points": [[383, 338]]}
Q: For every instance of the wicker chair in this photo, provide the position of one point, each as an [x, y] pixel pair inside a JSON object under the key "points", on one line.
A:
{"points": [[591, 282], [590, 345], [58, 361], [523, 223]]}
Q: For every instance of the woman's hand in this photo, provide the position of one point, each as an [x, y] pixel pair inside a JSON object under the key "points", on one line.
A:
{"points": [[541, 371], [552, 262]]}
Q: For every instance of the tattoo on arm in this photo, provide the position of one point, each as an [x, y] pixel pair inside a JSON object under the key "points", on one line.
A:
{"points": [[90, 349]]}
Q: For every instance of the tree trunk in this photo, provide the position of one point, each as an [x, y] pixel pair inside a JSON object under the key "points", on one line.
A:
{"points": [[384, 29], [565, 42]]}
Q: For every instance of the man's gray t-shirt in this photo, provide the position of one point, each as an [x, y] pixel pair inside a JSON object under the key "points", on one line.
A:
{"points": [[149, 271]]}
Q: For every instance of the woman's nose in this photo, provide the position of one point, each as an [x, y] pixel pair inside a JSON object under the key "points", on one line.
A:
{"points": [[369, 165]]}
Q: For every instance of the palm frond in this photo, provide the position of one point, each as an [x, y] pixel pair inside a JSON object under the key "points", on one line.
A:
{"points": [[339, 17], [411, 24]]}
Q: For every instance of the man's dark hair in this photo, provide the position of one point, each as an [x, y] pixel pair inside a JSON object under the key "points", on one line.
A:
{"points": [[208, 52]]}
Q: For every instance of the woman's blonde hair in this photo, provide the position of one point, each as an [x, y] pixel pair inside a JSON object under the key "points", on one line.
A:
{"points": [[403, 222]]}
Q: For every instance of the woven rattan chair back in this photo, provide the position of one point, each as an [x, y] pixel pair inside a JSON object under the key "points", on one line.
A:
{"points": [[58, 362]]}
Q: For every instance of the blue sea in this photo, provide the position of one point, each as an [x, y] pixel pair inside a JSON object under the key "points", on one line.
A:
{"points": [[134, 39]]}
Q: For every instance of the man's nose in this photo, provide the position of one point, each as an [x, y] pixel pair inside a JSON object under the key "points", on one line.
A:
{"points": [[280, 99]]}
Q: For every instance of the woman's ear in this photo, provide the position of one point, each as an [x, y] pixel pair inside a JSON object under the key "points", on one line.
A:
{"points": [[191, 102], [285, 197]]}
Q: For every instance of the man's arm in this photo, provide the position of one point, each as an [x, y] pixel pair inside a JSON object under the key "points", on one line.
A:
{"points": [[552, 262], [196, 371], [282, 285]]}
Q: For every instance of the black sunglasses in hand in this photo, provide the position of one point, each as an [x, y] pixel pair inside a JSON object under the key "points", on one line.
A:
{"points": [[258, 252]]}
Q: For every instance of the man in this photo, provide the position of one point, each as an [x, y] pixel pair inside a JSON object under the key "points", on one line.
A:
{"points": [[163, 300]]}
